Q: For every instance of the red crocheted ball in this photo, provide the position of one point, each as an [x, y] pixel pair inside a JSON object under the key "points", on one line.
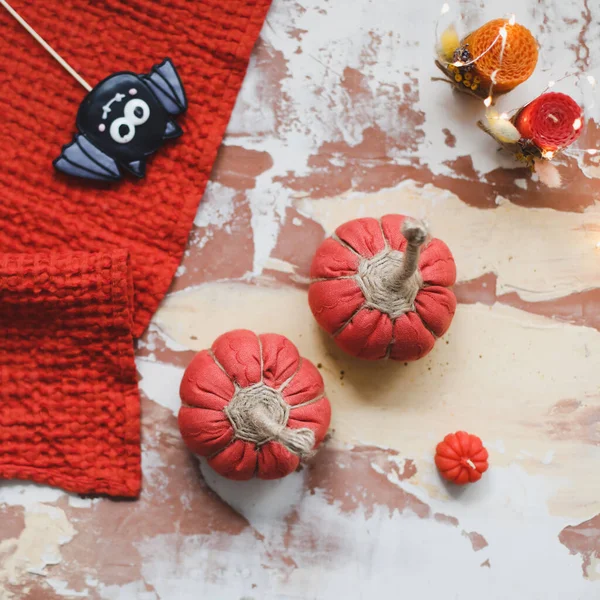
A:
{"points": [[461, 458], [551, 121], [253, 406], [381, 289]]}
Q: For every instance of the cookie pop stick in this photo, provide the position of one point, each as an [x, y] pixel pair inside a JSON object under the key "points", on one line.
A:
{"points": [[38, 38]]}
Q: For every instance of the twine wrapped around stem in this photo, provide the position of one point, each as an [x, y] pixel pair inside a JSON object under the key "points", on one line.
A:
{"points": [[259, 414], [415, 233]]}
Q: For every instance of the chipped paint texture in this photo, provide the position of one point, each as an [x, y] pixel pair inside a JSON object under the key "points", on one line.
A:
{"points": [[338, 118], [37, 547]]}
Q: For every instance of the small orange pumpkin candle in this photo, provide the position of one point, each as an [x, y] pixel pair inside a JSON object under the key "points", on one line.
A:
{"points": [[461, 458]]}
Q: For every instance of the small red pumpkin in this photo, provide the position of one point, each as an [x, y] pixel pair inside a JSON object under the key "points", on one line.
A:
{"points": [[253, 406], [381, 289], [461, 458]]}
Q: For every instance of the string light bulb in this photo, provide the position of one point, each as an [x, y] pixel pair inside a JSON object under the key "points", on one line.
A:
{"points": [[577, 124], [512, 20], [445, 8], [488, 101]]}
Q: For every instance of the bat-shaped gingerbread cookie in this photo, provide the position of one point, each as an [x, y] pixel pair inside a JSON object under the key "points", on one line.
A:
{"points": [[122, 121]]}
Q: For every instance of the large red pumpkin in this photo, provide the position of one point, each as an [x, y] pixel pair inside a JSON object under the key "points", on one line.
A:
{"points": [[253, 406], [381, 289]]}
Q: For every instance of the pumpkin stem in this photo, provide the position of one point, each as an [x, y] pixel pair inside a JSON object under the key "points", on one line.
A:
{"points": [[298, 441], [415, 233]]}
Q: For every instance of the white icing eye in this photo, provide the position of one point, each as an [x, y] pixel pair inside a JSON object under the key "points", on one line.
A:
{"points": [[102, 128], [137, 112], [122, 130], [132, 92]]}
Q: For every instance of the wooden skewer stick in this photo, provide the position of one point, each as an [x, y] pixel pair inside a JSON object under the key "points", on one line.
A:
{"points": [[38, 38]]}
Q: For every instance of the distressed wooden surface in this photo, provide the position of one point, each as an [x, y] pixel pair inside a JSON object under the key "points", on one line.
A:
{"points": [[338, 119]]}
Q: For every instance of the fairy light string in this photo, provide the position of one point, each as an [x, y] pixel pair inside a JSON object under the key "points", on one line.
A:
{"points": [[489, 100], [502, 35]]}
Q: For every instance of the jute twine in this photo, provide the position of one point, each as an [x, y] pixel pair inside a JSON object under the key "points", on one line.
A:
{"points": [[259, 414], [390, 280]]}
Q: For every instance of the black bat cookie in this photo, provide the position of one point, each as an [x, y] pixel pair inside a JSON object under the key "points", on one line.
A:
{"points": [[123, 120]]}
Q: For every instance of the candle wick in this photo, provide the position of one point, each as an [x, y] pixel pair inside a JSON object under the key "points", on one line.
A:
{"points": [[553, 117]]}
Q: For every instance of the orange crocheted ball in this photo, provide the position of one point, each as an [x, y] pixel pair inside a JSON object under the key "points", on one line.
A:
{"points": [[514, 65]]}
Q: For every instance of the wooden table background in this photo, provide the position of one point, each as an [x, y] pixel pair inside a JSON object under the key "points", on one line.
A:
{"points": [[338, 118]]}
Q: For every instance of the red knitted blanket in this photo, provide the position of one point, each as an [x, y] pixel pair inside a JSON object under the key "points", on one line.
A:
{"points": [[83, 266]]}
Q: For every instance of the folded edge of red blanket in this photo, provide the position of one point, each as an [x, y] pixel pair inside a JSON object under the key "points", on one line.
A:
{"points": [[69, 400]]}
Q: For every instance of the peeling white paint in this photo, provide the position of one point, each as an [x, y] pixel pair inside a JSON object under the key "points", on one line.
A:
{"points": [[77, 502], [136, 590], [15, 493], [261, 502], [353, 555], [37, 547], [160, 382], [522, 183], [314, 108], [276, 264], [216, 207], [540, 254], [61, 588], [154, 334], [413, 407]]}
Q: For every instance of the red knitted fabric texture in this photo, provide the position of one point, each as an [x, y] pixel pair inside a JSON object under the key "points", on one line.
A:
{"points": [[69, 408], [209, 42]]}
